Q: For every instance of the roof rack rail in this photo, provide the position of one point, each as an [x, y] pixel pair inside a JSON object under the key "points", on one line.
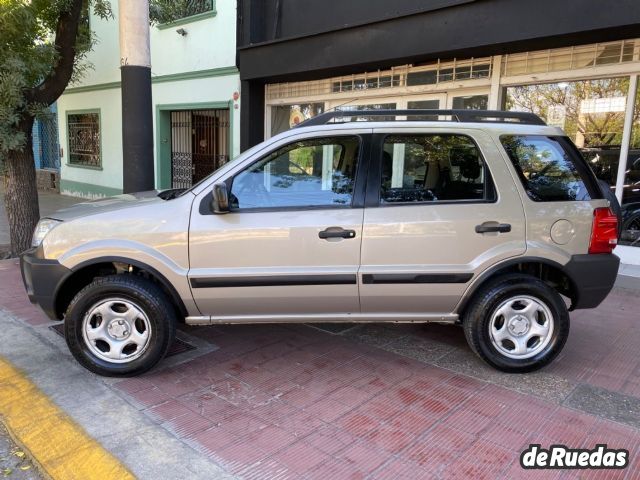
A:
{"points": [[462, 116]]}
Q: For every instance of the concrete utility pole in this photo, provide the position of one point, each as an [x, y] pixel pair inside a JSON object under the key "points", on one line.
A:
{"points": [[137, 119]]}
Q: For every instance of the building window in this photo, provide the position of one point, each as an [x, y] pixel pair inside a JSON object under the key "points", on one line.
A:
{"points": [[591, 112], [83, 131], [449, 74], [385, 81], [471, 102], [173, 11], [284, 117], [358, 108]]}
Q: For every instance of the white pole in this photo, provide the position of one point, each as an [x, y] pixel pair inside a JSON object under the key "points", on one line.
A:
{"points": [[327, 167], [626, 135], [135, 47], [397, 169], [496, 92]]}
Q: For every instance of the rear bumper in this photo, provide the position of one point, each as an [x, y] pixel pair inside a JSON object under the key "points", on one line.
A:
{"points": [[42, 279], [593, 277]]}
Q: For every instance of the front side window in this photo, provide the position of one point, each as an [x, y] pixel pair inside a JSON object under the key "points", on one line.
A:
{"points": [[83, 131], [432, 168], [310, 173], [546, 167]]}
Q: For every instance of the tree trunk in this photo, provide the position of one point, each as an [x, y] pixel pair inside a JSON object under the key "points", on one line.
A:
{"points": [[21, 192]]}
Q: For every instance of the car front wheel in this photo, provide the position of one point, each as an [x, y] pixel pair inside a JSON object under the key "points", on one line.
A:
{"points": [[120, 325], [517, 323]]}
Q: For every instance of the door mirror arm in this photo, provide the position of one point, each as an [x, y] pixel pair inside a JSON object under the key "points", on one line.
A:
{"points": [[220, 198]]}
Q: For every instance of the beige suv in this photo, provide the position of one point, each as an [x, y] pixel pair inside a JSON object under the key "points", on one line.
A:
{"points": [[488, 220]]}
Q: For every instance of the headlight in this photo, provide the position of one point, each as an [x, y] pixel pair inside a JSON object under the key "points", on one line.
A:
{"points": [[44, 226]]}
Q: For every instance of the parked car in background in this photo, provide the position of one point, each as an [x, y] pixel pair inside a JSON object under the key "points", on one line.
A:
{"points": [[489, 220], [604, 162]]}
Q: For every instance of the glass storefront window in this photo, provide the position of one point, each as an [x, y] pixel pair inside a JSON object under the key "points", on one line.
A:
{"points": [[372, 106], [471, 102], [631, 195], [284, 117], [592, 113]]}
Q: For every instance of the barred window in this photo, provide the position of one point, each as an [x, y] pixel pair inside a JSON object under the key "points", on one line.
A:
{"points": [[168, 11], [84, 139]]}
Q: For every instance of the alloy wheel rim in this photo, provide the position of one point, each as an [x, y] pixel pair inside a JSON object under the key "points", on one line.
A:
{"points": [[521, 327], [116, 330]]}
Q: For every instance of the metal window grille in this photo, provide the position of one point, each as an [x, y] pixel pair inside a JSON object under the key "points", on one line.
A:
{"points": [[570, 58], [84, 139], [199, 144], [186, 8], [407, 75], [543, 61]]}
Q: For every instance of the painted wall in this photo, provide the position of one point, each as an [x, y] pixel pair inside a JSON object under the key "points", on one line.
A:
{"points": [[209, 43], [74, 180], [195, 69]]}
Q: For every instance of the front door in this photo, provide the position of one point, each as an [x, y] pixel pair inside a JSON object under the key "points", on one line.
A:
{"points": [[199, 144], [440, 207], [291, 244]]}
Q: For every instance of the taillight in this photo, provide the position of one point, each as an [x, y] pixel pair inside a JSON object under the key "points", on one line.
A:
{"points": [[604, 232]]}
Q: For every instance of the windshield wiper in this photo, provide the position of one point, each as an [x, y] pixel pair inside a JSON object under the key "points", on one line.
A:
{"points": [[171, 194]]}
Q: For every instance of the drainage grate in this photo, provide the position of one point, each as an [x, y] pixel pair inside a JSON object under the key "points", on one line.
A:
{"points": [[178, 347], [335, 328]]}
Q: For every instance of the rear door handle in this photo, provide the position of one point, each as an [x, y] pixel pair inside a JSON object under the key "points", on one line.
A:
{"points": [[336, 232], [489, 227]]}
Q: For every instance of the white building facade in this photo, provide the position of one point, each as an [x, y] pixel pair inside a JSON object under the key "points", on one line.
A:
{"points": [[195, 94]]}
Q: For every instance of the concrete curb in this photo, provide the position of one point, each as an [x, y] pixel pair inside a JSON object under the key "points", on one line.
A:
{"points": [[145, 448]]}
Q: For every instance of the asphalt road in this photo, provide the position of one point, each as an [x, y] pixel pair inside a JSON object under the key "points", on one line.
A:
{"points": [[14, 462]]}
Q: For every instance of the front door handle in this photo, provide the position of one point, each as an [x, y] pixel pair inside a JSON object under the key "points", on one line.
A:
{"points": [[489, 227], [336, 232]]}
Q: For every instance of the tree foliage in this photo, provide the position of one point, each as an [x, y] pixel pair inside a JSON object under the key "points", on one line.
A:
{"points": [[38, 39], [597, 129]]}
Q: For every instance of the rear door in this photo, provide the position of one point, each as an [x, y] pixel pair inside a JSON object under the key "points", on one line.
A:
{"points": [[440, 207]]}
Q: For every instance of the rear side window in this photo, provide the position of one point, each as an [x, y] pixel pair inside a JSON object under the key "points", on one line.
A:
{"points": [[548, 169], [433, 168]]}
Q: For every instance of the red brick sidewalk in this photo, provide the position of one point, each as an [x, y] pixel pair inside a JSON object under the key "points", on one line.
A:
{"points": [[298, 402]]}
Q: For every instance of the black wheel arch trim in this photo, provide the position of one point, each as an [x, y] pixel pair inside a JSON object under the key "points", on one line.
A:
{"points": [[591, 277], [166, 284]]}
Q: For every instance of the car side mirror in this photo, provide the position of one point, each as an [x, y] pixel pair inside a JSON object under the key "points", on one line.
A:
{"points": [[220, 200]]}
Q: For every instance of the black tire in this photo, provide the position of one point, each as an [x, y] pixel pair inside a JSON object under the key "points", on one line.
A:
{"points": [[631, 229], [147, 297], [477, 318]]}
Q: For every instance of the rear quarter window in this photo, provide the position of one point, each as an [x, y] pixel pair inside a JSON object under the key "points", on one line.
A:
{"points": [[550, 170]]}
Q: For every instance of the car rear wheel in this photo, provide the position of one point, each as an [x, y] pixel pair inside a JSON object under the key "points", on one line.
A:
{"points": [[120, 325], [517, 323]]}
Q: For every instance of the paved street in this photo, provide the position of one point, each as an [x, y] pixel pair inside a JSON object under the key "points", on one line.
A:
{"points": [[14, 462], [49, 203], [371, 401]]}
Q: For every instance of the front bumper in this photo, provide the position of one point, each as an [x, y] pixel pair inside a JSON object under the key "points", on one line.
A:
{"points": [[42, 279], [593, 277]]}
